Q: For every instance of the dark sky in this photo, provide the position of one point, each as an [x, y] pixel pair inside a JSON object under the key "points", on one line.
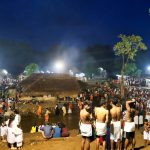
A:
{"points": [[73, 23]]}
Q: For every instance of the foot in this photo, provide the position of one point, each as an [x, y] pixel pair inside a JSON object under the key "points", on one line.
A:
{"points": [[13, 148]]}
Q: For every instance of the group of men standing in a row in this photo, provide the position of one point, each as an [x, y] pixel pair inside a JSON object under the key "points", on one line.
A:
{"points": [[105, 119]]}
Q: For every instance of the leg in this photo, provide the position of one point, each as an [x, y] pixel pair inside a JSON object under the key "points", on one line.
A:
{"points": [[133, 143], [118, 145], [112, 144], [145, 143], [83, 143], [104, 144], [97, 143], [126, 143], [87, 146]]}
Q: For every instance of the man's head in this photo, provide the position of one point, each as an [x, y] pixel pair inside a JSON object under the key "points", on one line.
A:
{"points": [[103, 102], [114, 101], [86, 105]]}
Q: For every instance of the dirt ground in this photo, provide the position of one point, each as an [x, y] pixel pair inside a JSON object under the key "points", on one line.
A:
{"points": [[36, 142]]}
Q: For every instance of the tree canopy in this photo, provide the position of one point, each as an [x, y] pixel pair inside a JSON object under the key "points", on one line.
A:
{"points": [[31, 68]]}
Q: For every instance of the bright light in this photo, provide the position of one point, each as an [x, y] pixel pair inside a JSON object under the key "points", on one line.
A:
{"points": [[48, 71], [5, 71], [59, 66], [148, 68]]}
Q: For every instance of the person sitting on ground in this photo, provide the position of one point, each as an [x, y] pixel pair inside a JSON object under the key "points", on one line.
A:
{"points": [[64, 131], [34, 128], [47, 131], [57, 132]]}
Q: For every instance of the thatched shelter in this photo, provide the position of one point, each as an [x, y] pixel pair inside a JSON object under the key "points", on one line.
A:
{"points": [[39, 85]]}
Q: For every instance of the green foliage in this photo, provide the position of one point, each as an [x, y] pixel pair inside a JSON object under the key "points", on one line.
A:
{"points": [[132, 70], [129, 46], [31, 68]]}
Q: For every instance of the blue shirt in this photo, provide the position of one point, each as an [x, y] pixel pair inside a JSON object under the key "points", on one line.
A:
{"points": [[57, 132]]}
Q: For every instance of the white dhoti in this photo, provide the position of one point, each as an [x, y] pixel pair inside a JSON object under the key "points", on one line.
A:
{"points": [[86, 129], [101, 128], [10, 136], [115, 134], [140, 119], [146, 135], [129, 127], [136, 120], [147, 117]]}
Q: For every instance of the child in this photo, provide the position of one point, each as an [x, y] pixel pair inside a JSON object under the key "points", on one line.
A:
{"points": [[146, 132]]}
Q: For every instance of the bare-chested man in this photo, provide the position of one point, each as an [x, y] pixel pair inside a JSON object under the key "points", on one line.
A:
{"points": [[115, 130], [101, 114], [85, 126], [129, 127]]}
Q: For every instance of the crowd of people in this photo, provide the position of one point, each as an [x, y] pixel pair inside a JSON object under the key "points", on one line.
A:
{"points": [[113, 120], [104, 117]]}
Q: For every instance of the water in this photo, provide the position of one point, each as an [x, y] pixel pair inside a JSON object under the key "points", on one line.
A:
{"points": [[71, 121]]}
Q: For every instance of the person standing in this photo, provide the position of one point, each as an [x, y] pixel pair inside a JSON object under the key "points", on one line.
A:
{"points": [[85, 126], [47, 113], [64, 110], [115, 126], [101, 114], [39, 111], [17, 119], [129, 126]]}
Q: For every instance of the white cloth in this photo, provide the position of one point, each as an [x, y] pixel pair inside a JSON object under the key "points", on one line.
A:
{"points": [[146, 135], [115, 134], [86, 129], [147, 117], [3, 131], [101, 128], [10, 135], [18, 136], [140, 119], [69, 111], [129, 127], [136, 120], [17, 119]]}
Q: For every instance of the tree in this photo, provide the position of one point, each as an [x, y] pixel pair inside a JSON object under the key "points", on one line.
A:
{"points": [[127, 48], [31, 68], [132, 70]]}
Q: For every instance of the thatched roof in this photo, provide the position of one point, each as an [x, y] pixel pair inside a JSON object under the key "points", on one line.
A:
{"points": [[50, 84]]}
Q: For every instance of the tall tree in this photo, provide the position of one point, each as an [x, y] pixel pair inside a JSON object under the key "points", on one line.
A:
{"points": [[31, 68], [132, 70], [127, 48]]}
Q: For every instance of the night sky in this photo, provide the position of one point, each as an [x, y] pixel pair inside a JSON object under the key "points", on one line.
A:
{"points": [[49, 29]]}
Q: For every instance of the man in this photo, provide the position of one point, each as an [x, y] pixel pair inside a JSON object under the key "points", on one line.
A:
{"points": [[85, 126], [17, 119], [64, 110], [39, 111], [115, 126], [129, 127], [47, 131], [47, 113], [101, 114]]}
